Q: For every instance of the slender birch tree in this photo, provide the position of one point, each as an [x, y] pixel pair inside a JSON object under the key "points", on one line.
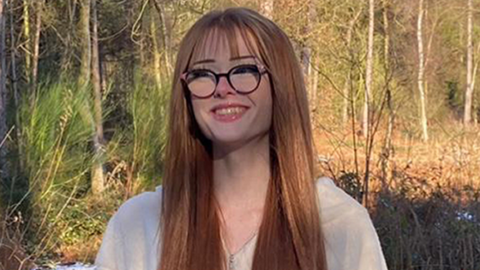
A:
{"points": [[307, 52], [421, 71], [85, 43], [27, 43], [467, 116], [98, 181], [368, 98], [369, 69], [165, 34], [346, 87], [157, 58], [90, 68]]}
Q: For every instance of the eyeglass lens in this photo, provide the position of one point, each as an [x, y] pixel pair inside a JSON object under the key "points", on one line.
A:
{"points": [[243, 79]]}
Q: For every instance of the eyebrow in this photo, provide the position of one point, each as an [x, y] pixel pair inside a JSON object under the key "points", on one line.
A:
{"points": [[231, 59]]}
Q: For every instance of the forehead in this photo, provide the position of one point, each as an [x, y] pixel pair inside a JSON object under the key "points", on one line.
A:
{"points": [[232, 42]]}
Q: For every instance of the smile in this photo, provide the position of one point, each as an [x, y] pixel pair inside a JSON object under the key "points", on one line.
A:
{"points": [[228, 113]]}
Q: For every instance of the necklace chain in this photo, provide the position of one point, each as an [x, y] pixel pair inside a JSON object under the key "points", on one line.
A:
{"points": [[231, 257]]}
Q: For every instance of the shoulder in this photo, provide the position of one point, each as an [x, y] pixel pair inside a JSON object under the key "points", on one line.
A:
{"points": [[132, 234], [335, 203], [351, 240], [139, 208]]}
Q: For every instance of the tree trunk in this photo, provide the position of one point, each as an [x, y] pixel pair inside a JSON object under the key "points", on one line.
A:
{"points": [[388, 146], [16, 96], [98, 179], [315, 84], [67, 55], [368, 96], [474, 103], [3, 96], [165, 36], [348, 81], [368, 71], [306, 52], [13, 52], [28, 40], [156, 54], [85, 43], [421, 72], [36, 46], [469, 91]]}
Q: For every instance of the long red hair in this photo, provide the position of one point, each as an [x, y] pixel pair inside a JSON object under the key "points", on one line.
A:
{"points": [[290, 235]]}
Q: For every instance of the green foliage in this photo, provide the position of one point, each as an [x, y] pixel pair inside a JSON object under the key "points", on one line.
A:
{"points": [[56, 133], [83, 219], [141, 144], [57, 127]]}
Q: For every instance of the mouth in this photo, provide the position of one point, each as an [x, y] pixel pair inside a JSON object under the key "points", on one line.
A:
{"points": [[228, 112]]}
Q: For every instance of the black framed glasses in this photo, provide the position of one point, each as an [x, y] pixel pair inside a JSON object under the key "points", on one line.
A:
{"points": [[244, 79]]}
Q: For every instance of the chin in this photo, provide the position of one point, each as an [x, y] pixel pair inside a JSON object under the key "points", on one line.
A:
{"points": [[224, 139]]}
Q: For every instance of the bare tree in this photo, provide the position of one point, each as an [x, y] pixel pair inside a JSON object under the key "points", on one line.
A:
{"points": [[16, 95], [469, 91], [13, 52], [85, 43], [27, 39], [90, 66], [387, 146], [306, 53], [67, 55], [421, 71], [157, 59], [369, 69], [348, 81], [165, 34], [36, 44], [3, 94], [98, 181]]}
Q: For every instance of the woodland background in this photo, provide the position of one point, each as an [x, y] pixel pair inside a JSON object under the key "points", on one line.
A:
{"points": [[395, 109]]}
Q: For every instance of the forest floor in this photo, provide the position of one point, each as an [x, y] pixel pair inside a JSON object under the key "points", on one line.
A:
{"points": [[449, 159]]}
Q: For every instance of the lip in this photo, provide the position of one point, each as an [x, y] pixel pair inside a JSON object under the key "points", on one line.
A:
{"points": [[228, 118]]}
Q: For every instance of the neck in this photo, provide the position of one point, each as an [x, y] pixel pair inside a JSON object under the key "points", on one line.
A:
{"points": [[241, 174]]}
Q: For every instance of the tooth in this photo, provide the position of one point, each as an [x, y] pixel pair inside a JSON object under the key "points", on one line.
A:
{"points": [[229, 111]]}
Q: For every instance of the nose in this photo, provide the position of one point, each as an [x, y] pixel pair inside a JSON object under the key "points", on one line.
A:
{"points": [[223, 88]]}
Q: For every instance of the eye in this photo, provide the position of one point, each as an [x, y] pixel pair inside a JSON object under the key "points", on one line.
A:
{"points": [[200, 74], [245, 69]]}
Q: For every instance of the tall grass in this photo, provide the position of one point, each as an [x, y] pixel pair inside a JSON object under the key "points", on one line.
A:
{"points": [[136, 152], [56, 131], [50, 209]]}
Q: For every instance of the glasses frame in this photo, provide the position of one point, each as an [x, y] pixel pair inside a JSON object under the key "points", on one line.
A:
{"points": [[261, 69]]}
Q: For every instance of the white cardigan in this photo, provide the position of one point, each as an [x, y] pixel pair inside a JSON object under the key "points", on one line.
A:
{"points": [[130, 241]]}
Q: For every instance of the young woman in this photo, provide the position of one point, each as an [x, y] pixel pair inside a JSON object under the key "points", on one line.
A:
{"points": [[239, 191]]}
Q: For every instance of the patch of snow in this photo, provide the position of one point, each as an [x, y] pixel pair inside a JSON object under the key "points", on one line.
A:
{"points": [[465, 215]]}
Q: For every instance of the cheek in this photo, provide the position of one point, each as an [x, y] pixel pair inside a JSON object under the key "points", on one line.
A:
{"points": [[199, 110], [265, 95]]}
